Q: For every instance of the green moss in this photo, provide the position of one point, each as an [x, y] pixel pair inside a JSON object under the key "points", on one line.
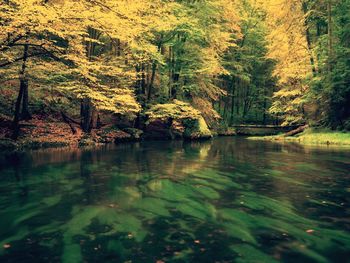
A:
{"points": [[313, 137], [196, 128]]}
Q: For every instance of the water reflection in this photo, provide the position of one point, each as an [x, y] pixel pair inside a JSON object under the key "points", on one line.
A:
{"points": [[223, 200]]}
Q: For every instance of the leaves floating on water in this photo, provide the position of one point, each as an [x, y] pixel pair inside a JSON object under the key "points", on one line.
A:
{"points": [[6, 246]]}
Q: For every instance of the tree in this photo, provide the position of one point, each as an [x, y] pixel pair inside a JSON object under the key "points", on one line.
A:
{"points": [[288, 46], [249, 83]]}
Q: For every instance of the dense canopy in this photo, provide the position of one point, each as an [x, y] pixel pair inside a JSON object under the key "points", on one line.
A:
{"points": [[236, 61]]}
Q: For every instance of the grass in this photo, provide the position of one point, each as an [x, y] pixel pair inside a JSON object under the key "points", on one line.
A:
{"points": [[312, 137]]}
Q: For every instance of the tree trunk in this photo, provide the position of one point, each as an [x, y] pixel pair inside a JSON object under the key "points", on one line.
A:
{"points": [[22, 87], [176, 78], [154, 68], [330, 35], [143, 79], [85, 113], [237, 97], [296, 131], [67, 120], [25, 115], [95, 120], [17, 112], [308, 41], [264, 105], [86, 105], [232, 99], [150, 86]]}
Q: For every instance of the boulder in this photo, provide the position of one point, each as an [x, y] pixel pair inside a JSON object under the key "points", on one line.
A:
{"points": [[136, 134], [196, 129], [158, 129], [122, 136], [175, 120]]}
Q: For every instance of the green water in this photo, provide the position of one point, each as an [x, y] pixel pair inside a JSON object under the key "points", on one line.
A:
{"points": [[225, 200]]}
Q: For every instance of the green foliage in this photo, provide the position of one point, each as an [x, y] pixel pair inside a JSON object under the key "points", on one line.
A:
{"points": [[250, 61], [249, 84], [313, 137]]}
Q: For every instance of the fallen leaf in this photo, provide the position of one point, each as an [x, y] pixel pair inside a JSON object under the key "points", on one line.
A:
{"points": [[310, 231], [7, 246]]}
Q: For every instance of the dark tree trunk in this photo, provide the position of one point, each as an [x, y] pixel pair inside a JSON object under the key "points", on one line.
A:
{"points": [[264, 105], [143, 79], [330, 36], [85, 113], [154, 69], [237, 96], [118, 48], [296, 131], [25, 115], [17, 112], [22, 87], [232, 99], [150, 86], [176, 78], [95, 120], [308, 41], [67, 120]]}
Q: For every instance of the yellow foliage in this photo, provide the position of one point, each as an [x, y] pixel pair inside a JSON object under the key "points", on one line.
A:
{"points": [[176, 110]]}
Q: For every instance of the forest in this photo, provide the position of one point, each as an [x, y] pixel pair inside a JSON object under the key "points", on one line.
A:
{"points": [[189, 67], [169, 131]]}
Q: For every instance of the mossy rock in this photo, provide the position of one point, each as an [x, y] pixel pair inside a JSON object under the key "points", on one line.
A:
{"points": [[158, 129], [121, 136], [176, 120], [196, 129], [136, 134]]}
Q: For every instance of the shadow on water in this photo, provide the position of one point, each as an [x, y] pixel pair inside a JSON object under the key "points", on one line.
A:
{"points": [[225, 200]]}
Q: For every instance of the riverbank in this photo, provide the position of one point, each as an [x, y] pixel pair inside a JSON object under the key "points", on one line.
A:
{"points": [[38, 133], [53, 133], [312, 136]]}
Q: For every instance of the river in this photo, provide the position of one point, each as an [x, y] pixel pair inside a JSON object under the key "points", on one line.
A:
{"points": [[224, 200]]}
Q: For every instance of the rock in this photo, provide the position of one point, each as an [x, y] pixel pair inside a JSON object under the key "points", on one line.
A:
{"points": [[177, 129], [158, 129], [136, 134], [121, 136], [196, 129], [175, 120]]}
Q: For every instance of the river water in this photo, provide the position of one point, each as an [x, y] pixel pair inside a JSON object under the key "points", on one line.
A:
{"points": [[224, 200]]}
